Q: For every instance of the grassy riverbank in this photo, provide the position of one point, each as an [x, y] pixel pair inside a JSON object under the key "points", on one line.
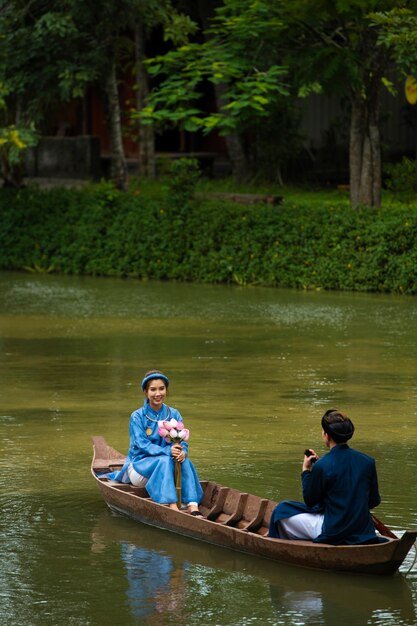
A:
{"points": [[313, 240]]}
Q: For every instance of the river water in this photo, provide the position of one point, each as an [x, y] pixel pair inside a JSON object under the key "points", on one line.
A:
{"points": [[252, 370]]}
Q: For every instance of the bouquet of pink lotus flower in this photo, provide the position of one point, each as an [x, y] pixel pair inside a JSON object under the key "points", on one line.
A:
{"points": [[173, 431]]}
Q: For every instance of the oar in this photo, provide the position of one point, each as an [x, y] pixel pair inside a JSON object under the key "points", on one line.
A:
{"points": [[382, 528]]}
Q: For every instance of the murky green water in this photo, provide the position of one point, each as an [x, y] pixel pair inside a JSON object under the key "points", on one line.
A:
{"points": [[252, 371]]}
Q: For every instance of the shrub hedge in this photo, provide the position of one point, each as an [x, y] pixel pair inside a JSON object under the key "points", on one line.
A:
{"points": [[99, 231]]}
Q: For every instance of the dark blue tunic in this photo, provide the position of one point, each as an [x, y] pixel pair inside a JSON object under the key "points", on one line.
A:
{"points": [[344, 486]]}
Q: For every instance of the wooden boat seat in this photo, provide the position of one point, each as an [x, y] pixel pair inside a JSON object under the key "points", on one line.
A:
{"points": [[213, 498], [99, 463], [138, 491], [264, 527], [253, 513], [231, 510], [106, 468], [113, 483]]}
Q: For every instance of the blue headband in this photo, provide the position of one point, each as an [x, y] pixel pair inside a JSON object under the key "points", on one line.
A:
{"points": [[153, 377]]}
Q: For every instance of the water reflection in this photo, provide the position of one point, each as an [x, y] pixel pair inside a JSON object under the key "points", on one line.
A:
{"points": [[346, 600], [170, 578], [156, 585]]}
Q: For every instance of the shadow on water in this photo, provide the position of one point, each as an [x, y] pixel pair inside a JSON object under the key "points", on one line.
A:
{"points": [[182, 579]]}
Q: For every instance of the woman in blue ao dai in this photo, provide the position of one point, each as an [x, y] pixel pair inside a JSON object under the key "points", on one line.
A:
{"points": [[150, 459]]}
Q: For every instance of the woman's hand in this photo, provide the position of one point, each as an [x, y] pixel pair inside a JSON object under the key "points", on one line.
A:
{"points": [[178, 453]]}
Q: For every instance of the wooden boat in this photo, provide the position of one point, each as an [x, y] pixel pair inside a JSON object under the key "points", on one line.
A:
{"points": [[240, 521]]}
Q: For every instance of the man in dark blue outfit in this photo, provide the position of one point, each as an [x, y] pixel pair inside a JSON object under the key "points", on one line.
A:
{"points": [[338, 491]]}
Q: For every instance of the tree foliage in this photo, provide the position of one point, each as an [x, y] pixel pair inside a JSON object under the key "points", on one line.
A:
{"points": [[235, 54], [41, 63], [42, 55], [260, 51], [247, 59], [397, 32], [340, 51], [52, 50]]}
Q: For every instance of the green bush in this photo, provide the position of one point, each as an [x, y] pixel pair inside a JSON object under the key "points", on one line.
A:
{"points": [[182, 179], [100, 231], [402, 179]]}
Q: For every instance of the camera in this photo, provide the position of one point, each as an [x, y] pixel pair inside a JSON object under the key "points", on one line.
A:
{"points": [[309, 453]]}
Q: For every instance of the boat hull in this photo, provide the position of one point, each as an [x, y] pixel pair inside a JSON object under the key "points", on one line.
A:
{"points": [[380, 559]]}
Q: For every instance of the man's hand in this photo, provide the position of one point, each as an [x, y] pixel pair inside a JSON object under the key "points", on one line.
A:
{"points": [[309, 460]]}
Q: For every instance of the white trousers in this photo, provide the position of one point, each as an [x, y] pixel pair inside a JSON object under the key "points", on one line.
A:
{"points": [[136, 479], [302, 526]]}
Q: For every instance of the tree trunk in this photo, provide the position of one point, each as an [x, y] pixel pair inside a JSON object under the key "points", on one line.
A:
{"points": [[233, 141], [237, 156], [118, 169], [375, 139], [355, 151], [146, 135], [365, 153]]}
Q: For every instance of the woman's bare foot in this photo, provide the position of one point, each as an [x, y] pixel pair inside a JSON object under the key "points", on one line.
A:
{"points": [[174, 506]]}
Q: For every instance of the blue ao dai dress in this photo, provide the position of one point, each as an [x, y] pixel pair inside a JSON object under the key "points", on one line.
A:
{"points": [[151, 457]]}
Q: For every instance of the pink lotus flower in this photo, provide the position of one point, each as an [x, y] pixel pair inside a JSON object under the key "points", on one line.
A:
{"points": [[184, 434], [173, 431]]}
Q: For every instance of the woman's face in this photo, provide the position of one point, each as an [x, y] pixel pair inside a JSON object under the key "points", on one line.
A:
{"points": [[156, 393]]}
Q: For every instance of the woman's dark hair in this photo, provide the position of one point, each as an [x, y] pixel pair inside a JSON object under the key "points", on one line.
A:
{"points": [[337, 425]]}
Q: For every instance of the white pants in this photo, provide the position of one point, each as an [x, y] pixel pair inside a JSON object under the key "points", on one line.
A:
{"points": [[136, 479], [301, 526]]}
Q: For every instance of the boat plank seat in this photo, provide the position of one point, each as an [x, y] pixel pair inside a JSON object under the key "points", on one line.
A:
{"points": [[138, 491], [232, 508], [218, 505], [253, 513], [128, 487], [108, 462], [106, 469], [112, 483], [264, 526], [213, 499], [104, 466]]}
